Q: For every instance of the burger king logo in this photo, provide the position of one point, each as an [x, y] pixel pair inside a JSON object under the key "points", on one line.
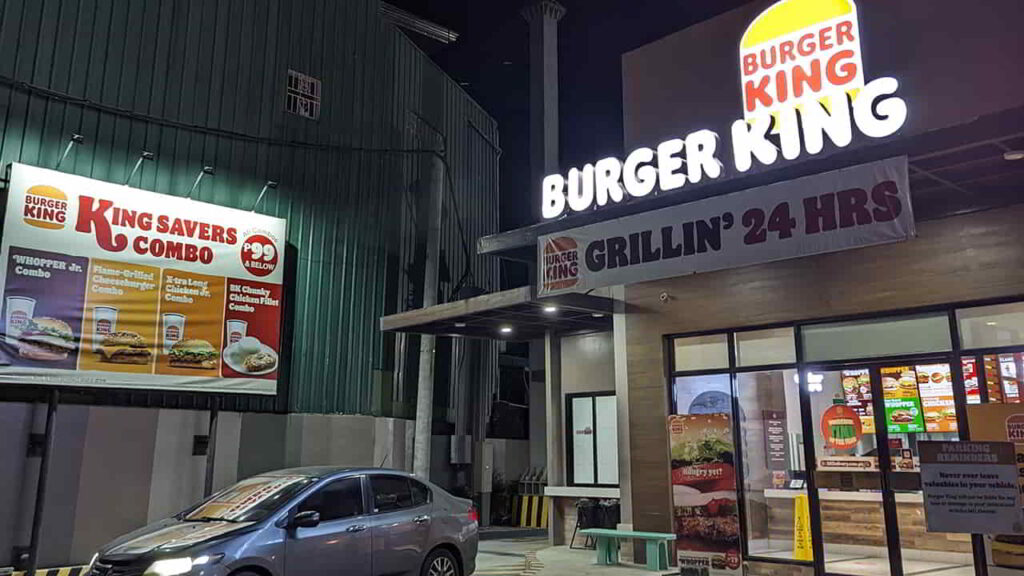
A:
{"points": [[561, 263], [45, 207], [796, 52]]}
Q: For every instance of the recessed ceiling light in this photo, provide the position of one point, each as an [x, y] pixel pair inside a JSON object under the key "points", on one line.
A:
{"points": [[1013, 155], [460, 324], [597, 315], [990, 323], [506, 330], [551, 309]]}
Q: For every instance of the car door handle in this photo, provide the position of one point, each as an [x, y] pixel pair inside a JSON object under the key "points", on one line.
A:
{"points": [[421, 519], [356, 528]]}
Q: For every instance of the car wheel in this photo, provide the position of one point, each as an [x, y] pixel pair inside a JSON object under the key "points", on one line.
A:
{"points": [[440, 562]]}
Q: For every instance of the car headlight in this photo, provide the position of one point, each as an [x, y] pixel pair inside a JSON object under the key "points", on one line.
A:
{"points": [[177, 566]]}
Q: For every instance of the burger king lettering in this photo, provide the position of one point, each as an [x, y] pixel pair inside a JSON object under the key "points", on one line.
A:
{"points": [[802, 82]]}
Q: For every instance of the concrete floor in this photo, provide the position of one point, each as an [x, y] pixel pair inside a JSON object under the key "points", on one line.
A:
{"points": [[561, 561], [508, 556]]}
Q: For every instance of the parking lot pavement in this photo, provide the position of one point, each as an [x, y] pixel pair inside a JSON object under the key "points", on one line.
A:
{"points": [[508, 556], [561, 561]]}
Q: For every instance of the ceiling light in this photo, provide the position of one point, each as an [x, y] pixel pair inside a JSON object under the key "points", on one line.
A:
{"points": [[1013, 155], [551, 309], [460, 324], [990, 323], [506, 329], [598, 315]]}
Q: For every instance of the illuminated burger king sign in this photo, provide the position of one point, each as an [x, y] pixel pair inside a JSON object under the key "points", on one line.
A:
{"points": [[802, 82]]}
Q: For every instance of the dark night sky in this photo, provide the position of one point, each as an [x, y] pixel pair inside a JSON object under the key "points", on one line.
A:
{"points": [[491, 57]]}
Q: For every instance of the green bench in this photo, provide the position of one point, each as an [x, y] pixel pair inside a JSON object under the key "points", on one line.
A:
{"points": [[606, 541]]}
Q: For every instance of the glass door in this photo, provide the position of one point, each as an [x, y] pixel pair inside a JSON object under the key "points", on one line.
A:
{"points": [[867, 477], [847, 477]]}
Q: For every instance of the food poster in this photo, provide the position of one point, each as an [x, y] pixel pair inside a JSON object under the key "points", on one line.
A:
{"points": [[903, 412], [252, 329], [190, 324], [705, 514], [111, 286], [971, 387], [935, 384], [119, 334], [1002, 423], [44, 323], [1008, 374], [857, 391]]}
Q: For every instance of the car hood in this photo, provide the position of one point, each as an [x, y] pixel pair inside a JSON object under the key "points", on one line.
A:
{"points": [[168, 536]]}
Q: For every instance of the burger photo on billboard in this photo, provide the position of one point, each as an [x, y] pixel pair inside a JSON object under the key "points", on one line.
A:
{"points": [[47, 339], [124, 347], [193, 353]]}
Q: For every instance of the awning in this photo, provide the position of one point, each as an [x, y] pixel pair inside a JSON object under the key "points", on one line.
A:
{"points": [[514, 314]]}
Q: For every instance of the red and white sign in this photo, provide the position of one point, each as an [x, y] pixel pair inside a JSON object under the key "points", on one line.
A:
{"points": [[838, 210], [106, 285]]}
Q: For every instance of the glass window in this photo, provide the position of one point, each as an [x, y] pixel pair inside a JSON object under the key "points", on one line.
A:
{"points": [[991, 326], [593, 442], [391, 493], [339, 499], [877, 338], [420, 493], [773, 467], [701, 353], [763, 347], [710, 394], [252, 499]]}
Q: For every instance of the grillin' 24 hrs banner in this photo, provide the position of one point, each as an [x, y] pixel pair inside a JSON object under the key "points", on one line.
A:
{"points": [[106, 285], [849, 208]]}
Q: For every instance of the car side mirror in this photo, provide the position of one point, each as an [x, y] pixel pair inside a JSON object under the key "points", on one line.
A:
{"points": [[307, 519]]}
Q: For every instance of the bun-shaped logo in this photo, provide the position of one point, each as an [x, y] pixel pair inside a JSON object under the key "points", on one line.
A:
{"points": [[45, 207], [561, 263], [796, 52]]}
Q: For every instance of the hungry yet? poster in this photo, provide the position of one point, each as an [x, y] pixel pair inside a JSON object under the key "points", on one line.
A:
{"points": [[705, 514], [106, 285]]}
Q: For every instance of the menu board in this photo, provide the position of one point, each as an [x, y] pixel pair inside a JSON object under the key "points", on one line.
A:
{"points": [[106, 285], [936, 389], [903, 412], [1008, 372], [857, 391], [971, 386], [776, 441]]}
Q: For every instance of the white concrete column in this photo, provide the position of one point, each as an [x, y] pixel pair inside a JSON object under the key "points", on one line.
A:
{"points": [[425, 386], [555, 427], [543, 16]]}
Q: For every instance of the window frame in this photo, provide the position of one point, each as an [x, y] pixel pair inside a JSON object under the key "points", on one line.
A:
{"points": [[567, 434], [328, 482], [955, 354], [371, 496]]}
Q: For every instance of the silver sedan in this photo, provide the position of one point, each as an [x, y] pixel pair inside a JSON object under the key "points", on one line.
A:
{"points": [[316, 521]]}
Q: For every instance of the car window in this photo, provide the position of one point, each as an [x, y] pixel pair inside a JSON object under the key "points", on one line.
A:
{"points": [[420, 493], [339, 499], [391, 493]]}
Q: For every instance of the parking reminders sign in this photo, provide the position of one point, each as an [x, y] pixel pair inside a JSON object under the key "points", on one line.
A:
{"points": [[111, 286]]}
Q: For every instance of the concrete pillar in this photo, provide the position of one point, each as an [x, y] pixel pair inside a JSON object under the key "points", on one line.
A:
{"points": [[619, 317], [555, 425], [543, 16], [425, 386]]}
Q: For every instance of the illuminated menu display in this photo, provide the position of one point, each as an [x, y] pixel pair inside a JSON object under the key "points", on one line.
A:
{"points": [[903, 412], [936, 392], [857, 390]]}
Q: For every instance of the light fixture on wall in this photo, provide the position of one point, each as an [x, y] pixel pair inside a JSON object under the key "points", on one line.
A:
{"points": [[270, 185], [207, 170], [144, 155], [75, 139]]}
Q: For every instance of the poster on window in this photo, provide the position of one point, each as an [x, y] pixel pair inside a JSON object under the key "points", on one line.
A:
{"points": [[903, 412], [104, 285], [704, 508]]}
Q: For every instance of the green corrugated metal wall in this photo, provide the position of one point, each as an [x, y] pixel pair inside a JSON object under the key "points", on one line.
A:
{"points": [[202, 82]]}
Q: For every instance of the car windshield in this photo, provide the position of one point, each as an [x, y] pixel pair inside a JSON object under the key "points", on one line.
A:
{"points": [[250, 500]]}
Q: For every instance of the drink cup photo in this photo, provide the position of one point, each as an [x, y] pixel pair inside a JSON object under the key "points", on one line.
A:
{"points": [[174, 330], [104, 321], [236, 330], [20, 309]]}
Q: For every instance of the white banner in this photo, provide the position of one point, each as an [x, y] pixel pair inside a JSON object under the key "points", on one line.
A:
{"points": [[849, 208], [106, 285]]}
